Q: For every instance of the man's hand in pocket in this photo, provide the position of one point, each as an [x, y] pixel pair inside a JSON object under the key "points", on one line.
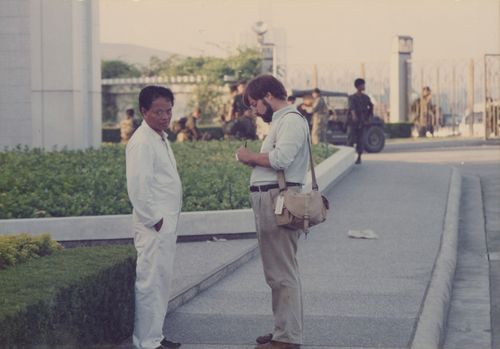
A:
{"points": [[159, 225]]}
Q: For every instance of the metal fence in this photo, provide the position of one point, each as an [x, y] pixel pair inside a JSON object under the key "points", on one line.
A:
{"points": [[466, 101], [459, 87], [492, 94]]}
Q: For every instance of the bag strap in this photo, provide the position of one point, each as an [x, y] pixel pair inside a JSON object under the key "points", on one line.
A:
{"points": [[281, 173], [281, 180]]}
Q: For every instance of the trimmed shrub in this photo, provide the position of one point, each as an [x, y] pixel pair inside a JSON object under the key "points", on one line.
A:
{"points": [[37, 183], [20, 248], [111, 135], [215, 132], [74, 297], [398, 129]]}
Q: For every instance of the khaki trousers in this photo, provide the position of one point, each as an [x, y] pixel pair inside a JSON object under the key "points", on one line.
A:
{"points": [[278, 250], [319, 128]]}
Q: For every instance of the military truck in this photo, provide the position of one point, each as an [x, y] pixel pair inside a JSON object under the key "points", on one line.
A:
{"points": [[337, 124]]}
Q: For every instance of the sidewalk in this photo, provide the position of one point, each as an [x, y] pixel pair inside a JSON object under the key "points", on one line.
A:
{"points": [[469, 321], [357, 293], [491, 191], [198, 265]]}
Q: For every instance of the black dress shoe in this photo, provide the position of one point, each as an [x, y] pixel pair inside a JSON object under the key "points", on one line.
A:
{"points": [[264, 339], [168, 344]]}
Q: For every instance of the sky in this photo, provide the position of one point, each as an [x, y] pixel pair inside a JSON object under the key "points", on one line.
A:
{"points": [[317, 31]]}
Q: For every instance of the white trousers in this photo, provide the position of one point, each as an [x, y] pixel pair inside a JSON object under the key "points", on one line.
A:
{"points": [[155, 264]]}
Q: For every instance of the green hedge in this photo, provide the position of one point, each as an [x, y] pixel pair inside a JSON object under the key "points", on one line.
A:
{"points": [[399, 129], [215, 132], [16, 249], [73, 297], [36, 183], [111, 135]]}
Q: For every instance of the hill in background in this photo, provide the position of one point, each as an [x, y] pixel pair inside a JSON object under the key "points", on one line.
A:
{"points": [[133, 54]]}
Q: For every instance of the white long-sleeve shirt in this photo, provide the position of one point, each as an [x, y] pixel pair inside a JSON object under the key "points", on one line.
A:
{"points": [[153, 183], [286, 144]]}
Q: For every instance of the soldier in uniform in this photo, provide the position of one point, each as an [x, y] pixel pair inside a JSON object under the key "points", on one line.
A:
{"points": [[127, 126], [245, 127], [358, 117], [192, 124], [424, 115], [320, 115], [228, 118], [239, 108], [305, 108]]}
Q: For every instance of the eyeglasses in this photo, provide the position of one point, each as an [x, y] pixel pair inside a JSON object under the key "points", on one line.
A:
{"points": [[161, 112], [254, 105]]}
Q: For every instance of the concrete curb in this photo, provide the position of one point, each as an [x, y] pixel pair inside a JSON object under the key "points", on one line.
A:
{"points": [[437, 143], [191, 291], [430, 326], [87, 229]]}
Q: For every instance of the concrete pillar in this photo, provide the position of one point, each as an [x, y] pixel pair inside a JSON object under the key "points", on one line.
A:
{"points": [[65, 76], [52, 93], [402, 48], [267, 50]]}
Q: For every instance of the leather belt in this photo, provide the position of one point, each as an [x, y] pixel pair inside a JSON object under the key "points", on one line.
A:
{"points": [[263, 188]]}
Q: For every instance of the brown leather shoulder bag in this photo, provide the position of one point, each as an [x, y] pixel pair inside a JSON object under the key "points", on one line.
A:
{"points": [[296, 210]]}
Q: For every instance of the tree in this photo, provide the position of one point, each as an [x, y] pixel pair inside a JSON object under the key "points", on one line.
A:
{"points": [[110, 70], [208, 98], [244, 64], [118, 69], [208, 95]]}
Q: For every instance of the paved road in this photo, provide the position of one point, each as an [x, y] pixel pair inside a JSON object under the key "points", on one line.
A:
{"points": [[358, 293], [480, 164]]}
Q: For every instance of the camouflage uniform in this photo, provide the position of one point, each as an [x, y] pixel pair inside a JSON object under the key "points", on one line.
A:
{"points": [[424, 115], [319, 120]]}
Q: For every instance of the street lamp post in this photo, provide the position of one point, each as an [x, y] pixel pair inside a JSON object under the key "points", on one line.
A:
{"points": [[267, 49]]}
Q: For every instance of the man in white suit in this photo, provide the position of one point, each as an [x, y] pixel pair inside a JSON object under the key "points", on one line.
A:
{"points": [[155, 190]]}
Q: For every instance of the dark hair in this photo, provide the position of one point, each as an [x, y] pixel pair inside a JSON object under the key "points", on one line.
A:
{"points": [[291, 98], [260, 86], [426, 88], [233, 88], [317, 90], [130, 112], [150, 93], [183, 122], [358, 82], [242, 82]]}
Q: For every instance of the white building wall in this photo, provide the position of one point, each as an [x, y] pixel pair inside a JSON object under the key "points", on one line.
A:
{"points": [[56, 96], [15, 98]]}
